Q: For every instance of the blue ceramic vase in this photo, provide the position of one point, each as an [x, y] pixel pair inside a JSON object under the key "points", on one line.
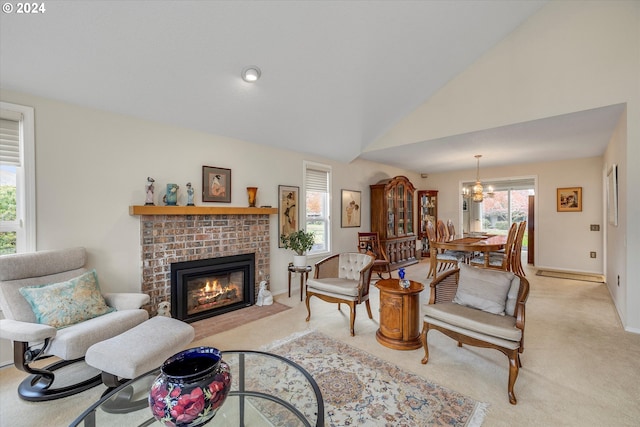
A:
{"points": [[191, 387], [172, 194]]}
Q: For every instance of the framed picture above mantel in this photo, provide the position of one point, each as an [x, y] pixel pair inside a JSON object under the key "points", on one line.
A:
{"points": [[216, 184]]}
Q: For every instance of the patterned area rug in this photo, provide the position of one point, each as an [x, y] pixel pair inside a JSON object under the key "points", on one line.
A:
{"points": [[360, 389], [585, 277]]}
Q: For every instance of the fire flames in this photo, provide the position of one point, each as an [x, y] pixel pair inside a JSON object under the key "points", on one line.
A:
{"points": [[212, 294]]}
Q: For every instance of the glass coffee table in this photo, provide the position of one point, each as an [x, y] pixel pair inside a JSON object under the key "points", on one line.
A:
{"points": [[266, 390]]}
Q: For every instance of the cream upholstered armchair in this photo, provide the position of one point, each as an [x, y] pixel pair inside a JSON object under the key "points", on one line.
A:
{"points": [[480, 307], [53, 307], [342, 278]]}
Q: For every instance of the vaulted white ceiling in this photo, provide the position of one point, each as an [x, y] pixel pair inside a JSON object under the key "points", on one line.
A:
{"points": [[335, 74]]}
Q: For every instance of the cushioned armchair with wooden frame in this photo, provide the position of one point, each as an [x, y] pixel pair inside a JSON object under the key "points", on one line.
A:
{"points": [[342, 279], [482, 308], [53, 307]]}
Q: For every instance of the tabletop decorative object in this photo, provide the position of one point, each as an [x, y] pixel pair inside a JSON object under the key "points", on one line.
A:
{"points": [[251, 193], [189, 194], [149, 187], [404, 283], [171, 198], [191, 387]]}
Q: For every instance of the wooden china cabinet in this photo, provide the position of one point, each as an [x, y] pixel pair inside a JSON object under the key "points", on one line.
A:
{"points": [[392, 217], [427, 211]]}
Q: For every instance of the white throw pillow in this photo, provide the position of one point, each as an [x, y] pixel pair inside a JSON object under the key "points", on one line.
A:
{"points": [[483, 288]]}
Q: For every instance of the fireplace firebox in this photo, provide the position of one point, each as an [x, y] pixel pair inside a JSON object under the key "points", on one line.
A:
{"points": [[208, 287]]}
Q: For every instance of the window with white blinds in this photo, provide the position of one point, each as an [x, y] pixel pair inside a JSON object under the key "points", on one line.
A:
{"points": [[10, 138], [17, 179], [317, 186]]}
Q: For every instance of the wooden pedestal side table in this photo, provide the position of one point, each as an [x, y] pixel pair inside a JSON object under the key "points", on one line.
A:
{"points": [[399, 315], [304, 275]]}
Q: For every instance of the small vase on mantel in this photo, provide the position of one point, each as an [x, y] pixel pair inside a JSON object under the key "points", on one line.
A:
{"points": [[171, 198], [251, 193]]}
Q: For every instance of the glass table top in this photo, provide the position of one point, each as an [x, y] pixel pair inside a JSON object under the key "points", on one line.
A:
{"points": [[266, 390]]}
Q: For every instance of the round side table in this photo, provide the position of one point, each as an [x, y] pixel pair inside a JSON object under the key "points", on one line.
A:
{"points": [[399, 315], [304, 275]]}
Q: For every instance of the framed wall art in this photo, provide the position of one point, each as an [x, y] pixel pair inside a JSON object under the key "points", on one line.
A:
{"points": [[288, 199], [350, 211], [569, 199], [216, 184]]}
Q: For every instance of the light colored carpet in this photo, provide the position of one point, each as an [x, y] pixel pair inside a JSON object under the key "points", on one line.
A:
{"points": [[580, 368], [584, 277], [360, 389]]}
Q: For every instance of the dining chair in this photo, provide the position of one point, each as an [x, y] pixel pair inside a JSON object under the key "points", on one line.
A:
{"points": [[451, 229], [516, 255], [443, 259], [369, 243], [499, 259]]}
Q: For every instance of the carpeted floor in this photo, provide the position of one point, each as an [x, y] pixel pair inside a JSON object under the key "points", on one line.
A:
{"points": [[584, 277], [360, 389], [579, 366]]}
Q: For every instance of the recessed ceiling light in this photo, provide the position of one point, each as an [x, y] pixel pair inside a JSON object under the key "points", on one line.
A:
{"points": [[251, 73]]}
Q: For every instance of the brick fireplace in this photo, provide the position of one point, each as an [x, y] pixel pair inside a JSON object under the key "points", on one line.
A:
{"points": [[168, 238]]}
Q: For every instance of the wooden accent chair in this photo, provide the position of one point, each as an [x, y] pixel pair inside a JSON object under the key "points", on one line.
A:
{"points": [[493, 318], [342, 278], [440, 260], [369, 243], [516, 255], [501, 259]]}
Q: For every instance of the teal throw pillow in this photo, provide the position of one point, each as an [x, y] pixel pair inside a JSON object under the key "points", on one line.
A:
{"points": [[67, 303]]}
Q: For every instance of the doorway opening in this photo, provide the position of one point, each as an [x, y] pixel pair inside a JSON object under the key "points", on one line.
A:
{"points": [[506, 201]]}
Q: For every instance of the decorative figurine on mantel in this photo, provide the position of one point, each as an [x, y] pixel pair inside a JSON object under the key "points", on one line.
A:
{"points": [[149, 190], [189, 195], [171, 198]]}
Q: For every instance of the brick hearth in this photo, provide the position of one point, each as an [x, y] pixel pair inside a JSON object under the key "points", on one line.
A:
{"points": [[175, 238]]}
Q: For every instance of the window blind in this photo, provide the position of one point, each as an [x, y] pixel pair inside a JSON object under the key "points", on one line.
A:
{"points": [[10, 138], [317, 180]]}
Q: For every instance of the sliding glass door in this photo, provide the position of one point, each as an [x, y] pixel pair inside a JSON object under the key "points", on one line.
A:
{"points": [[505, 203]]}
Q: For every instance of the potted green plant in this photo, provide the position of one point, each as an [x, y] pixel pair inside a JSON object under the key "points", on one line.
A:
{"points": [[300, 242]]}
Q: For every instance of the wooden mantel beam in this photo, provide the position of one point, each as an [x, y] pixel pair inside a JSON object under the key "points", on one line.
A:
{"points": [[200, 210]]}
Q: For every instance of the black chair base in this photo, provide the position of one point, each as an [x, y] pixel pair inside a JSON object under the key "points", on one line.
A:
{"points": [[37, 388], [123, 402]]}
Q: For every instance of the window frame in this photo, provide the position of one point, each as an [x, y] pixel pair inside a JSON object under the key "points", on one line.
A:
{"points": [[307, 165], [25, 223]]}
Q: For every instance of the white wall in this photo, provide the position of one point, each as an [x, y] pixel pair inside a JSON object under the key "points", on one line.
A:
{"points": [[570, 56], [91, 165], [563, 239], [616, 242]]}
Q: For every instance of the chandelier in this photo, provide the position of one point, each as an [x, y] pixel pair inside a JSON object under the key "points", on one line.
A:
{"points": [[476, 191]]}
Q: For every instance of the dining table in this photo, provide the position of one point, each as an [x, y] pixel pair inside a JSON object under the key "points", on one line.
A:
{"points": [[485, 243]]}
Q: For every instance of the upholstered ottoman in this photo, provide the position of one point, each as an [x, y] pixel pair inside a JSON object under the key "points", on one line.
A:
{"points": [[139, 349]]}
